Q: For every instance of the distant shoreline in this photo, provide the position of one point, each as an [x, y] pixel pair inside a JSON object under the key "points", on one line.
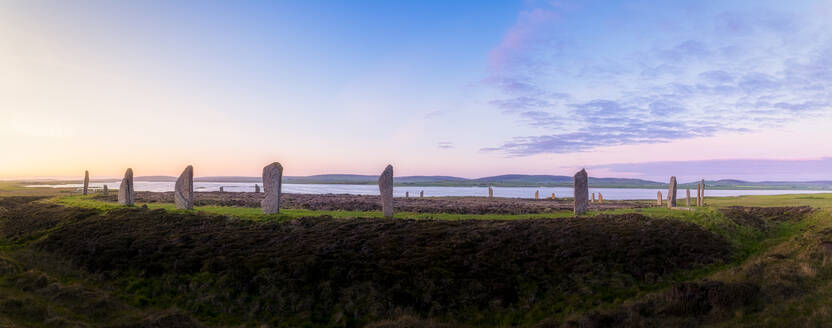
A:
{"points": [[712, 185]]}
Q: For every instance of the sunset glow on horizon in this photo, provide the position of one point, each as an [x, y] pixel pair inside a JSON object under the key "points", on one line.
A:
{"points": [[631, 89]]}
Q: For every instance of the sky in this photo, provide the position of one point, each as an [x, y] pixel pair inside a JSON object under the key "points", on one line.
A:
{"points": [[636, 89]]}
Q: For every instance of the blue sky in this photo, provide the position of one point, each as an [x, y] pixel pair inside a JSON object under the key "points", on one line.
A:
{"points": [[463, 88]]}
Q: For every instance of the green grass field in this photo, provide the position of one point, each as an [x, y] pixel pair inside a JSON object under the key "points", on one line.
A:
{"points": [[787, 263]]}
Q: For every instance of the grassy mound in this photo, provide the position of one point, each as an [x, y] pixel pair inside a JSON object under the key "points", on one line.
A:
{"points": [[324, 271], [607, 270]]}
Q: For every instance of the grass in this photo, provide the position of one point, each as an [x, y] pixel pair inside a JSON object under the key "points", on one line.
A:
{"points": [[16, 188], [287, 214], [785, 261], [814, 200]]}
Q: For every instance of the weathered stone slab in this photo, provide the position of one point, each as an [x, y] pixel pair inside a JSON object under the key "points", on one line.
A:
{"points": [[659, 198], [593, 197], [687, 198], [105, 190], [406, 194], [698, 193], [86, 181], [385, 189], [272, 183], [671, 193], [221, 189], [183, 191], [490, 192], [126, 195], [422, 194], [256, 188], [537, 194], [553, 195], [600, 198], [581, 187], [702, 194]]}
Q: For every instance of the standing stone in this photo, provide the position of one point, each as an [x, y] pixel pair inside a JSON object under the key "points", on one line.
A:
{"points": [[422, 194], [581, 187], [702, 194], [687, 199], [593, 197], [600, 198], [126, 195], [659, 198], [222, 190], [537, 194], [272, 183], [106, 191], [183, 192], [406, 194], [385, 189], [86, 181], [698, 193], [490, 192], [671, 193], [256, 188], [553, 196]]}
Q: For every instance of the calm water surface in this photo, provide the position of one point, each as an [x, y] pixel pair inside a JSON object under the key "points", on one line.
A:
{"points": [[521, 192]]}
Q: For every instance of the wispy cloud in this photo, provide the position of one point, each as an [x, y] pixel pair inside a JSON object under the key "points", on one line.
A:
{"points": [[445, 145], [726, 72], [744, 169]]}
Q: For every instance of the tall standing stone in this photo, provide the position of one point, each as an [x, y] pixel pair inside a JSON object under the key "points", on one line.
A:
{"points": [[671, 193], [581, 187], [272, 183], [221, 189], [553, 195], [385, 189], [698, 193], [406, 194], [659, 198], [593, 197], [687, 199], [600, 198], [106, 191], [702, 194], [256, 188], [537, 194], [86, 181], [126, 195], [183, 192], [490, 192], [422, 194]]}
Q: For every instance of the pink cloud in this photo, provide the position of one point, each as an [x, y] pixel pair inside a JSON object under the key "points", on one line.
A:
{"points": [[521, 35]]}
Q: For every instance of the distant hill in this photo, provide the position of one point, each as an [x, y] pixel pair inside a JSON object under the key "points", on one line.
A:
{"points": [[506, 180]]}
